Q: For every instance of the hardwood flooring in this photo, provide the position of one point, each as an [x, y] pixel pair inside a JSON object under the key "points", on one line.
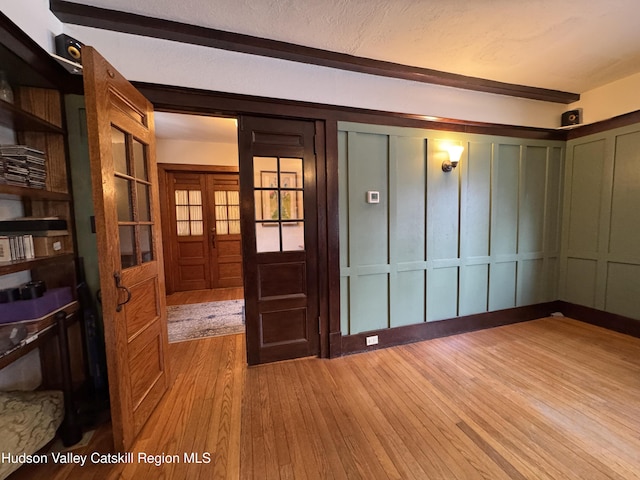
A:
{"points": [[546, 399], [204, 296]]}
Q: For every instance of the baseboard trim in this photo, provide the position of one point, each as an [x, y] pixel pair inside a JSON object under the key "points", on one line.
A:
{"points": [[600, 318], [389, 337]]}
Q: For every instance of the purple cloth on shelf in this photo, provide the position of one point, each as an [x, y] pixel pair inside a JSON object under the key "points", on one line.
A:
{"points": [[37, 307]]}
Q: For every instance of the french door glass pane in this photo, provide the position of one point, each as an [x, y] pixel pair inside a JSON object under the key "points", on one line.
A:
{"points": [[139, 161], [146, 243], [144, 211], [123, 199], [182, 197], [291, 173], [128, 254], [267, 237], [119, 150], [183, 228], [292, 236], [234, 227]]}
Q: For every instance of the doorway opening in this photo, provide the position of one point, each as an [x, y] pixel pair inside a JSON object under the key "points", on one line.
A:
{"points": [[198, 164]]}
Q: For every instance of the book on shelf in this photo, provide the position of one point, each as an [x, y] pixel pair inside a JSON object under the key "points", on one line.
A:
{"points": [[16, 247], [22, 166]]}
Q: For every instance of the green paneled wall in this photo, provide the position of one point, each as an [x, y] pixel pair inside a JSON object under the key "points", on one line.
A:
{"points": [[600, 264], [439, 245]]}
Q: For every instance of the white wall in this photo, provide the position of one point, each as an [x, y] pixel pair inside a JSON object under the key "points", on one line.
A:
{"points": [[34, 18], [610, 100], [196, 153]]}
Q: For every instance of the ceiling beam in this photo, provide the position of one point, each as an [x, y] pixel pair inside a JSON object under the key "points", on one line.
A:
{"points": [[74, 13]]}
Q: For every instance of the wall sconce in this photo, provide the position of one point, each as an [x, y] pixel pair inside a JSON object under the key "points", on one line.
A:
{"points": [[455, 151]]}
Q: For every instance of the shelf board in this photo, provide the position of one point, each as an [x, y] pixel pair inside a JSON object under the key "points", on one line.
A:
{"points": [[21, 265], [34, 193], [38, 331], [17, 119]]}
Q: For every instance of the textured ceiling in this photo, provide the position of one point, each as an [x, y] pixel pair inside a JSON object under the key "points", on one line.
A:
{"points": [[195, 128], [568, 45]]}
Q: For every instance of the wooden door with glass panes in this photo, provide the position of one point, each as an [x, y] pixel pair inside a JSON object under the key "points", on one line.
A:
{"points": [[125, 195], [205, 249], [226, 243], [280, 238]]}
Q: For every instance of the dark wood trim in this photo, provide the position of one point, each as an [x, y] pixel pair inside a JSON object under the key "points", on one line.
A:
{"points": [[195, 101], [123, 22], [605, 125], [428, 330], [322, 235], [182, 167], [333, 238], [600, 318]]}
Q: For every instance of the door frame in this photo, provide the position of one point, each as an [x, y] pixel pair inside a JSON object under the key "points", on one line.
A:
{"points": [[164, 170], [201, 102]]}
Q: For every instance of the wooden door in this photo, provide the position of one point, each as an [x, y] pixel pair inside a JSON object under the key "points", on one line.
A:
{"points": [[125, 196], [226, 256], [280, 244], [202, 231], [188, 266]]}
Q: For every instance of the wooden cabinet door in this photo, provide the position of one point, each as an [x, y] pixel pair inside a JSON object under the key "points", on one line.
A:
{"points": [[279, 234], [125, 195]]}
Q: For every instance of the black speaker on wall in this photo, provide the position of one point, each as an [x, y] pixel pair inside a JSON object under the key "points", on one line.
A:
{"points": [[69, 48], [572, 117]]}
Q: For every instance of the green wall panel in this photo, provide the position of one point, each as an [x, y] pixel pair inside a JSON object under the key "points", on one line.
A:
{"points": [[407, 303], [442, 293], [408, 201], [625, 202], [474, 288], [442, 216], [623, 290], [552, 280], [505, 200], [531, 282], [532, 202], [368, 223], [345, 304], [581, 281], [554, 200], [369, 303], [586, 197], [476, 198], [502, 287]]}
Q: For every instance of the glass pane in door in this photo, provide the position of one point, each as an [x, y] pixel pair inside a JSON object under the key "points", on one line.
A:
{"points": [[128, 253], [119, 150], [123, 199]]}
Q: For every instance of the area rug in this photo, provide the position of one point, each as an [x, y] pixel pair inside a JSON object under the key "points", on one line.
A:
{"points": [[198, 320]]}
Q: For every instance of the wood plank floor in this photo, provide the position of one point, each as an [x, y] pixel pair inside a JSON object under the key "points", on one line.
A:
{"points": [[546, 399], [204, 296]]}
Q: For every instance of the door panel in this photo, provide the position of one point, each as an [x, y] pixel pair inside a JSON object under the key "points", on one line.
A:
{"points": [[279, 224], [125, 196]]}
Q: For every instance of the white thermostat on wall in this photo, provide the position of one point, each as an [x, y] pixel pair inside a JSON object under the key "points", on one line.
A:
{"points": [[373, 197]]}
